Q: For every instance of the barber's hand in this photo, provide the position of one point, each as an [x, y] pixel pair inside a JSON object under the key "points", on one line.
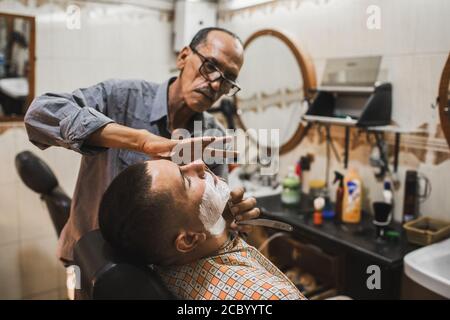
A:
{"points": [[242, 209], [159, 147]]}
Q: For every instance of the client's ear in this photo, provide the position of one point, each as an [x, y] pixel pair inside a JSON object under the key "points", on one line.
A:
{"points": [[188, 241]]}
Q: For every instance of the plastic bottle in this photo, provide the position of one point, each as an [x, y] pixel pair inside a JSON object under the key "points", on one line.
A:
{"points": [[291, 189], [305, 167], [351, 205]]}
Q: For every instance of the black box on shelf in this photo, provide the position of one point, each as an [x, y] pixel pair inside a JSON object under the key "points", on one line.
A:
{"points": [[351, 94], [352, 106]]}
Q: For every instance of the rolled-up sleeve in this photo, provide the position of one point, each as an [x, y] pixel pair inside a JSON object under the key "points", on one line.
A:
{"points": [[68, 119]]}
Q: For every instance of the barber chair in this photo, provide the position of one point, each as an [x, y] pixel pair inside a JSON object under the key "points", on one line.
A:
{"points": [[38, 176], [106, 275], [103, 273]]}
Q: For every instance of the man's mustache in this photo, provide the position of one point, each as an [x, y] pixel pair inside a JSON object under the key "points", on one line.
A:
{"points": [[207, 92]]}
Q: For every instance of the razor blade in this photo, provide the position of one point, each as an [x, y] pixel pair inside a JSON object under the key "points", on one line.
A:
{"points": [[267, 223]]}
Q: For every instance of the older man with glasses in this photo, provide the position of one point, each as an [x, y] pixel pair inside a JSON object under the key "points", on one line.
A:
{"points": [[117, 123]]}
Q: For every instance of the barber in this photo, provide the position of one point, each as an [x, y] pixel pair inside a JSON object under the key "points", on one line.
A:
{"points": [[117, 123]]}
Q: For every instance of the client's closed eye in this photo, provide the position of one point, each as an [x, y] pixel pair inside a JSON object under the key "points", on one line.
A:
{"points": [[185, 178], [188, 180]]}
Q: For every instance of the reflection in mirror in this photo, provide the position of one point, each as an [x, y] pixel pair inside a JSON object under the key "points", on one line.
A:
{"points": [[15, 66], [361, 71], [272, 95]]}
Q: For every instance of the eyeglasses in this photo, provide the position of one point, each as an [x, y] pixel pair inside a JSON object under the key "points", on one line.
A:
{"points": [[211, 72]]}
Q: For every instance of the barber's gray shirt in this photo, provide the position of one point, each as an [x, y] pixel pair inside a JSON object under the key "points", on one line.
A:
{"points": [[67, 119]]}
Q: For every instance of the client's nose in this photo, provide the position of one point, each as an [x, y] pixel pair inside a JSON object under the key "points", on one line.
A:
{"points": [[197, 167]]}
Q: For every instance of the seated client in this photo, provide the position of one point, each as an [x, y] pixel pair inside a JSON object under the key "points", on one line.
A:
{"points": [[171, 217]]}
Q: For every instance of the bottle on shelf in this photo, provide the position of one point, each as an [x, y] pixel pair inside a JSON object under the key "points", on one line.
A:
{"points": [[351, 204], [290, 195]]}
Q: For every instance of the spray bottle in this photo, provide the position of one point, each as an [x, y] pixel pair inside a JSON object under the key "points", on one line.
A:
{"points": [[339, 177], [351, 205]]}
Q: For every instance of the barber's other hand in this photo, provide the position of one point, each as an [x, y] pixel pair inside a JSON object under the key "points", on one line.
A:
{"points": [[242, 209]]}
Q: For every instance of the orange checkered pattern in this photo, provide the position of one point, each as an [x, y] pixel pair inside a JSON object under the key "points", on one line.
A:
{"points": [[238, 272]]}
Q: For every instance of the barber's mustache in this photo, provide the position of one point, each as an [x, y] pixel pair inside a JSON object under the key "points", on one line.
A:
{"points": [[210, 93]]}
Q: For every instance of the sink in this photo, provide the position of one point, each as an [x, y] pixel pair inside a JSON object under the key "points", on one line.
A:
{"points": [[262, 191], [14, 87], [253, 188], [430, 267]]}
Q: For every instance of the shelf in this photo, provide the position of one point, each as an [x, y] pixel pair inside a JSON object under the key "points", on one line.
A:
{"points": [[349, 89], [331, 120], [395, 129], [377, 130], [352, 122]]}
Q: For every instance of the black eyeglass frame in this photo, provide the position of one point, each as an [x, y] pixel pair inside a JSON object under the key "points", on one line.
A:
{"points": [[221, 76]]}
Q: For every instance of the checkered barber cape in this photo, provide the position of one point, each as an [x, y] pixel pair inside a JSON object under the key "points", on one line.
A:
{"points": [[237, 272]]}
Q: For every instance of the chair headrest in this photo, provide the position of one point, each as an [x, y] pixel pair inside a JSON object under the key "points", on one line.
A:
{"points": [[35, 173], [105, 275]]}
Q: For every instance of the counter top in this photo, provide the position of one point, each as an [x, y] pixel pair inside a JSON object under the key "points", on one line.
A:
{"points": [[359, 238]]}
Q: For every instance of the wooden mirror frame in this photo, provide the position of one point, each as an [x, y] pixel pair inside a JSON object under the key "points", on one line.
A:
{"points": [[307, 72], [31, 59], [444, 112]]}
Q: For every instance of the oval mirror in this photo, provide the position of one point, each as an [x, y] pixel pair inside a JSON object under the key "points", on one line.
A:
{"points": [[444, 100], [276, 79], [17, 51]]}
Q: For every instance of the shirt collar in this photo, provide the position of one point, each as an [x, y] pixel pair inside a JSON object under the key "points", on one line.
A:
{"points": [[160, 107]]}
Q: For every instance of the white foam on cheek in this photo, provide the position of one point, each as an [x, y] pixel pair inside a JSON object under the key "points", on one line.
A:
{"points": [[214, 200], [218, 227]]}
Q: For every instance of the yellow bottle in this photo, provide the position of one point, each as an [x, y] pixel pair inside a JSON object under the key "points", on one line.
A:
{"points": [[351, 205]]}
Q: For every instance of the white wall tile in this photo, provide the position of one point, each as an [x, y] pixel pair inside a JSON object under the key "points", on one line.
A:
{"points": [[437, 205], [7, 147], [398, 72], [34, 218], [50, 21], [399, 26], [62, 293], [10, 279], [432, 29], [45, 76], [39, 266], [47, 295], [9, 217], [426, 77]]}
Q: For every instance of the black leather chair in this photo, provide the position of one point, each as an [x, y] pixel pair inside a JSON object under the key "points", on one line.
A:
{"points": [[104, 274], [38, 176]]}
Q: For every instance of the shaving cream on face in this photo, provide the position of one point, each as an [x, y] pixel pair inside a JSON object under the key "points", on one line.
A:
{"points": [[214, 200]]}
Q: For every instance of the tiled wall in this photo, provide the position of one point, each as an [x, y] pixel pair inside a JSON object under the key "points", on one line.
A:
{"points": [[114, 41], [414, 42]]}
